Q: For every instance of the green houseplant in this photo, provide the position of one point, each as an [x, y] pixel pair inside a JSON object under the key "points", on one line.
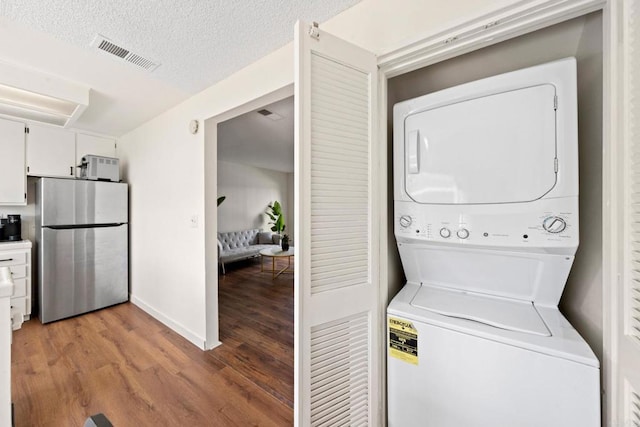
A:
{"points": [[274, 212]]}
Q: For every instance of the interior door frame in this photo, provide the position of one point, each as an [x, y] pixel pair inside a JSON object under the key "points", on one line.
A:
{"points": [[503, 24], [211, 213]]}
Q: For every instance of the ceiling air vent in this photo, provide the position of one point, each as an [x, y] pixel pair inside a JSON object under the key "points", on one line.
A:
{"points": [[106, 45], [270, 114]]}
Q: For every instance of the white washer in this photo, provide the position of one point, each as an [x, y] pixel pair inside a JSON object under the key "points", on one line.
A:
{"points": [[486, 220]]}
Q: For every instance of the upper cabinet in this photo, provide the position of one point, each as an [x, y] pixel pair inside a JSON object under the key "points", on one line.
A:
{"points": [[51, 152], [40, 150], [91, 144], [13, 179]]}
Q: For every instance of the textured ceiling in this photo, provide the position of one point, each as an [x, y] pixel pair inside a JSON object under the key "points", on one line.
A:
{"points": [[197, 42], [256, 140]]}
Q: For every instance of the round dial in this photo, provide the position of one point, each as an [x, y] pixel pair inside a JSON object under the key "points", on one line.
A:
{"points": [[463, 233], [445, 232], [554, 224], [405, 221]]}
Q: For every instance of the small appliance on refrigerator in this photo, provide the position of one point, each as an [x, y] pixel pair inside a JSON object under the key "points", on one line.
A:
{"points": [[82, 240]]}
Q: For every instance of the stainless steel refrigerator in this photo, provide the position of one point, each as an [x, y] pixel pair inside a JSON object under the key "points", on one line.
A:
{"points": [[82, 240]]}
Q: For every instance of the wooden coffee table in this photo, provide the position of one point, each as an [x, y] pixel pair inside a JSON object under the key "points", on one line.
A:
{"points": [[274, 253]]}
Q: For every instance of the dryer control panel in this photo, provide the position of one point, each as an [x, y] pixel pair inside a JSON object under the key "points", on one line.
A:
{"points": [[553, 224]]}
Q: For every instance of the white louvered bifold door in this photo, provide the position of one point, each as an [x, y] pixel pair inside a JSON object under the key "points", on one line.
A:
{"points": [[338, 326], [628, 313]]}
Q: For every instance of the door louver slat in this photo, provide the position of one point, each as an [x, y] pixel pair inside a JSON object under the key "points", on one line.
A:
{"points": [[326, 380], [634, 310], [339, 372], [333, 195], [633, 406]]}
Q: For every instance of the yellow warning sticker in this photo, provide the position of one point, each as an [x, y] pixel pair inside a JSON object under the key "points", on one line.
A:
{"points": [[403, 340]]}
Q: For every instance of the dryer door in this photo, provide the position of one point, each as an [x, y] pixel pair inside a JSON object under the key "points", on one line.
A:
{"points": [[499, 148]]}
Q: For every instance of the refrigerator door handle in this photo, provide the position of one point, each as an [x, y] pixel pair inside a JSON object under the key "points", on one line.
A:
{"points": [[70, 227]]}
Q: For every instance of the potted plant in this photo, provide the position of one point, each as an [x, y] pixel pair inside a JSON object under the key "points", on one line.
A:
{"points": [[285, 242], [274, 212]]}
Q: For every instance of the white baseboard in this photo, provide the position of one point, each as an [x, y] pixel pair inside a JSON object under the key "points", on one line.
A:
{"points": [[172, 324], [211, 347]]}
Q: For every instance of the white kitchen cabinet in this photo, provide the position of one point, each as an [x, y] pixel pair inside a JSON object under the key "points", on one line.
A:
{"points": [[13, 179], [51, 152], [6, 289], [17, 256], [91, 144]]}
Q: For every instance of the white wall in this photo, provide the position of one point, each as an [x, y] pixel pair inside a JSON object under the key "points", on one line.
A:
{"points": [[248, 191], [164, 164], [582, 298], [27, 213], [165, 167]]}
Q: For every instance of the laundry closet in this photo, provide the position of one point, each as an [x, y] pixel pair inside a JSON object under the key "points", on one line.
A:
{"points": [[581, 38]]}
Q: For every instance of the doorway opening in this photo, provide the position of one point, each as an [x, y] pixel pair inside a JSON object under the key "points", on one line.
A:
{"points": [[250, 303]]}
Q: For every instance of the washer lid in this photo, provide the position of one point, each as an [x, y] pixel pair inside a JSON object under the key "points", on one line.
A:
{"points": [[503, 313]]}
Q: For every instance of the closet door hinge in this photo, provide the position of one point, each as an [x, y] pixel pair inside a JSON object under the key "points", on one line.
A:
{"points": [[555, 165], [26, 129], [314, 31], [555, 102]]}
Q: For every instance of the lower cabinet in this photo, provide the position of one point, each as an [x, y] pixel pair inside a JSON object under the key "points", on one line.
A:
{"points": [[17, 256], [5, 355]]}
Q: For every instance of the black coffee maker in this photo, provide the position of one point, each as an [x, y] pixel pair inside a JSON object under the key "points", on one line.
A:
{"points": [[11, 228]]}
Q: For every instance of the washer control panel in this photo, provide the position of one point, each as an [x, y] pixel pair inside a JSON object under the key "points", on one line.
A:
{"points": [[554, 225], [405, 221], [462, 233]]}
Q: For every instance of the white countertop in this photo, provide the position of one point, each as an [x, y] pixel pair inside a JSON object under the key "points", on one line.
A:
{"points": [[20, 244]]}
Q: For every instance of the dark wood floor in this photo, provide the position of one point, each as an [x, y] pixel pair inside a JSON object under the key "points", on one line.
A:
{"points": [[123, 363]]}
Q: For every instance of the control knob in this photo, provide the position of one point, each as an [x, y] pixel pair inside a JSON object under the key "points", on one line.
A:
{"points": [[554, 224], [405, 221], [445, 232], [463, 233]]}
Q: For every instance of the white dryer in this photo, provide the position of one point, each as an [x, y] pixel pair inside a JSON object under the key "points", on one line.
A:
{"points": [[486, 221]]}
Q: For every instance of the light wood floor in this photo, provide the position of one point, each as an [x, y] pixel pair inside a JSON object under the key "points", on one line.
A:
{"points": [[123, 363]]}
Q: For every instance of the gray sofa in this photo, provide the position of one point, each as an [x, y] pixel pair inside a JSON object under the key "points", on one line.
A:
{"points": [[240, 245]]}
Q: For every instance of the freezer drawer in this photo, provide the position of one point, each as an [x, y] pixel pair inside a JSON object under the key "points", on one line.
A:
{"points": [[82, 269]]}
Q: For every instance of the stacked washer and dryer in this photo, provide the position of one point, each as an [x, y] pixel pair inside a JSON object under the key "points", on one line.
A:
{"points": [[486, 222]]}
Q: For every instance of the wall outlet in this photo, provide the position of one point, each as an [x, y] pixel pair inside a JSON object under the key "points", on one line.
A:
{"points": [[194, 221]]}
